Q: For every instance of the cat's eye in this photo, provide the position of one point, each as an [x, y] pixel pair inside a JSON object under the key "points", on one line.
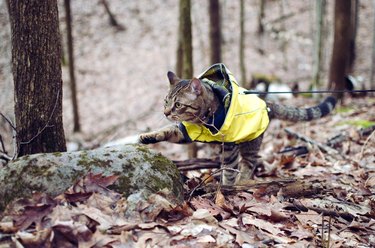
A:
{"points": [[178, 105]]}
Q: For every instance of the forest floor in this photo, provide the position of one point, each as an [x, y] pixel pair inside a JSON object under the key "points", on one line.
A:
{"points": [[320, 194], [121, 77]]}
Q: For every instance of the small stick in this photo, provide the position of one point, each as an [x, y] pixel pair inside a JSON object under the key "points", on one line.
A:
{"points": [[365, 144], [203, 181], [325, 148]]}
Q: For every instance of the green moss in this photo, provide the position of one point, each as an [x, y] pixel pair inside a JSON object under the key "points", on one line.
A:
{"points": [[344, 109], [123, 186], [358, 123], [142, 148], [57, 154]]}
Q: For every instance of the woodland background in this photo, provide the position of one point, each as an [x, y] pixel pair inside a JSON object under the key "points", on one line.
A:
{"points": [[324, 198], [121, 74]]}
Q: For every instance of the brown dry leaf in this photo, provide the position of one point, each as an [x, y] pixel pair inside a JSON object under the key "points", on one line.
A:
{"points": [[286, 160], [176, 213], [102, 202], [219, 199], [25, 212], [99, 240], [301, 233], [155, 238], [261, 224], [93, 183], [71, 230], [309, 218], [155, 205], [36, 239], [260, 208], [370, 182], [104, 220], [99, 179], [200, 202], [241, 236]]}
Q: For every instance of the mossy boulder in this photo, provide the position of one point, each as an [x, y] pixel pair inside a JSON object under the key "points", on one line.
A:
{"points": [[140, 170]]}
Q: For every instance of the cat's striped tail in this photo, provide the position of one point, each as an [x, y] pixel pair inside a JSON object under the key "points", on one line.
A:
{"points": [[301, 114]]}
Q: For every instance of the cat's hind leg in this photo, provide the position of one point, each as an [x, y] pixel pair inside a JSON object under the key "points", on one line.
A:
{"points": [[250, 159], [230, 158]]}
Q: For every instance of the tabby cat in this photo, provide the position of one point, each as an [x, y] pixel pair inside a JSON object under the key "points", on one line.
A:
{"points": [[213, 108]]}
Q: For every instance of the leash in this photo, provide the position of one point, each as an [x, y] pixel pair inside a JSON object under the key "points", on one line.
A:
{"points": [[307, 92]]}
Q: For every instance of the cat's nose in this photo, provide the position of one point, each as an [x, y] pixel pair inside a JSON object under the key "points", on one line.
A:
{"points": [[167, 112]]}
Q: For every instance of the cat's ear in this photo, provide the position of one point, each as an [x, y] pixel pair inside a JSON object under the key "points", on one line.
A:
{"points": [[173, 79], [196, 86]]}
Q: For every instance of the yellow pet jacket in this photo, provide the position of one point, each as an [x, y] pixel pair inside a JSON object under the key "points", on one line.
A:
{"points": [[245, 116]]}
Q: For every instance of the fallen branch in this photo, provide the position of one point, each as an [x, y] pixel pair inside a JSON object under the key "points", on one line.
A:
{"points": [[197, 164], [366, 131], [322, 146]]}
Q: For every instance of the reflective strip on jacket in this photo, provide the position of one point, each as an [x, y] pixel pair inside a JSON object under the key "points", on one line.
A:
{"points": [[246, 119]]}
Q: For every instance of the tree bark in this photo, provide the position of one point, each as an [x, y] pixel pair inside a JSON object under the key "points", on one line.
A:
{"points": [[73, 88], [372, 71], [185, 37], [242, 43], [215, 31], [318, 47], [36, 59], [341, 45], [352, 36]]}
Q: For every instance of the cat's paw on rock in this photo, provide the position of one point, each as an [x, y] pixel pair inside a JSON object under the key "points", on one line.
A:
{"points": [[148, 138]]}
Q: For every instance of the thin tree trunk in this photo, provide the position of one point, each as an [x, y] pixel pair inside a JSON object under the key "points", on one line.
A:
{"points": [[242, 43], [36, 60], [187, 53], [215, 31], [341, 45], [372, 71], [352, 36], [318, 48], [187, 46], [262, 6], [73, 88]]}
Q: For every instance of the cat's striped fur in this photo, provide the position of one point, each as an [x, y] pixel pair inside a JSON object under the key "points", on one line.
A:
{"points": [[195, 101]]}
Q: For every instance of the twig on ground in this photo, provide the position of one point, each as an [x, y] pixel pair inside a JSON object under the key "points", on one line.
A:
{"points": [[197, 164], [203, 181], [365, 144], [322, 146]]}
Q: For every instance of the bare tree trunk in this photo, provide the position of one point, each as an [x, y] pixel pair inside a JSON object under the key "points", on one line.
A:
{"points": [[318, 48], [341, 45], [215, 31], [185, 37], [352, 36], [242, 43], [372, 71], [36, 60], [187, 47], [73, 88]]}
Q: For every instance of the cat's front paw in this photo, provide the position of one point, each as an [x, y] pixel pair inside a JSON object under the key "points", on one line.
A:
{"points": [[148, 138]]}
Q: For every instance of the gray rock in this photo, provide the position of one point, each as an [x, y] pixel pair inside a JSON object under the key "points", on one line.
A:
{"points": [[141, 171]]}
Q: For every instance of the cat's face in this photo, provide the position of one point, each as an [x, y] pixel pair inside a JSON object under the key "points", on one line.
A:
{"points": [[185, 100]]}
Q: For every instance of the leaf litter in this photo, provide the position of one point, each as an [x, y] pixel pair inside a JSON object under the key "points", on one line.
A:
{"points": [[315, 199]]}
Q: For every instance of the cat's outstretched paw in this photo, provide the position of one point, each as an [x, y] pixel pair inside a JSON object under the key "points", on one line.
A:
{"points": [[148, 138]]}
